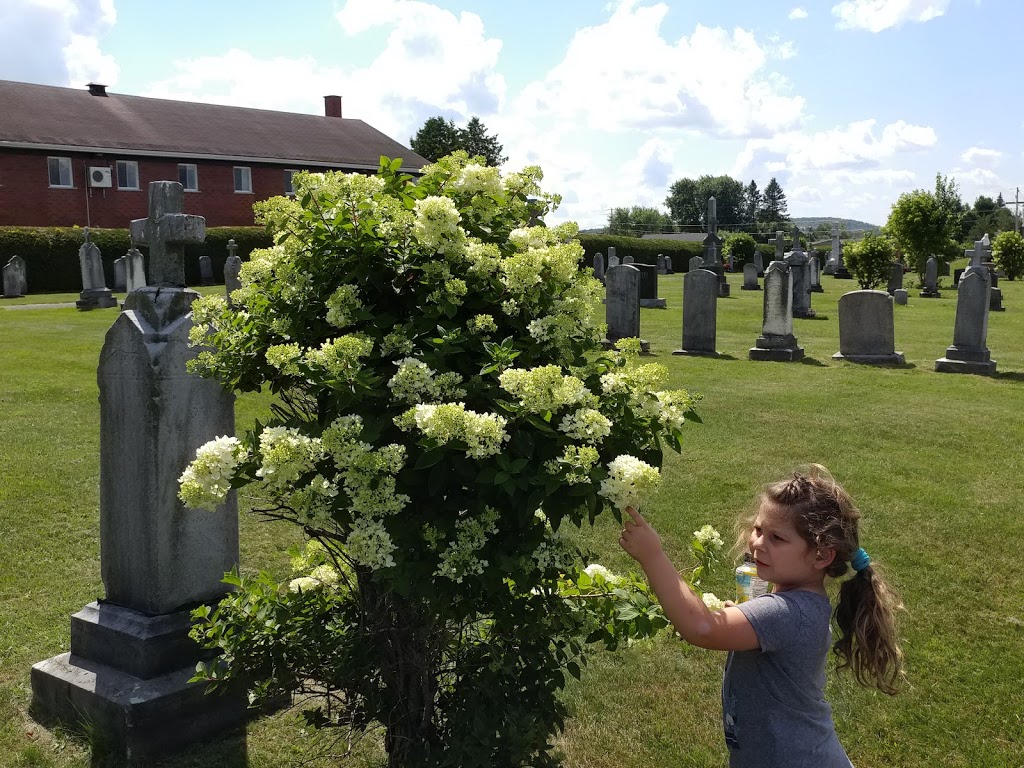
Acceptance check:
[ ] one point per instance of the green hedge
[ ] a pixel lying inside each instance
(646, 250)
(51, 253)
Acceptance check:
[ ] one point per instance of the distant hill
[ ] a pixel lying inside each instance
(852, 225)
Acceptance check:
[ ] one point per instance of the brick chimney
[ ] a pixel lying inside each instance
(96, 89)
(332, 106)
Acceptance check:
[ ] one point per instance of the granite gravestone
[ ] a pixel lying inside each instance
(750, 277)
(800, 271)
(628, 259)
(622, 305)
(815, 270)
(120, 274)
(662, 266)
(15, 280)
(758, 262)
(712, 259)
(135, 270)
(598, 267)
(777, 341)
(867, 329)
(613, 259)
(95, 294)
(233, 270)
(700, 307)
(649, 287)
(895, 278)
(931, 279)
(668, 265)
(695, 263)
(969, 353)
(205, 270)
(900, 296)
(126, 678)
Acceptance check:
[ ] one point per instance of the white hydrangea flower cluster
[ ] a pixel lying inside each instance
(285, 358)
(321, 576)
(313, 503)
(415, 382)
(483, 433)
(453, 291)
(554, 552)
(482, 325)
(285, 455)
(628, 480)
(342, 306)
(437, 225)
(261, 265)
(484, 258)
(712, 601)
(370, 544)
(577, 461)
(460, 558)
(339, 357)
(598, 572)
(367, 474)
(544, 388)
(396, 343)
(640, 379)
(709, 537)
(587, 424)
(206, 481)
(672, 407)
(525, 238)
(477, 179)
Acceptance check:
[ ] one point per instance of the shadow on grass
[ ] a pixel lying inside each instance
(1009, 375)
(812, 361)
(816, 317)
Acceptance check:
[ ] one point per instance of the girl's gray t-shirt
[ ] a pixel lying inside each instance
(773, 698)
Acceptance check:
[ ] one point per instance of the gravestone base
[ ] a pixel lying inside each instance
(894, 359)
(127, 678)
(776, 348)
(696, 352)
(829, 268)
(966, 360)
(843, 274)
(95, 298)
(930, 294)
(645, 346)
(806, 314)
(995, 300)
(723, 290)
(746, 287)
(817, 289)
(653, 303)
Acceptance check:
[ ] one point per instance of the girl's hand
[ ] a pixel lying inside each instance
(638, 538)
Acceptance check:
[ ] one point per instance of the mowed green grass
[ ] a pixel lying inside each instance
(933, 460)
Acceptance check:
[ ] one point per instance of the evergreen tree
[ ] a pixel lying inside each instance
(774, 212)
(476, 141)
(751, 202)
(439, 137)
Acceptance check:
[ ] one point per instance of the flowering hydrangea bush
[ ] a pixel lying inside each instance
(435, 362)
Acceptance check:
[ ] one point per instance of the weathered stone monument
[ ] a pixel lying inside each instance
(815, 271)
(931, 279)
(598, 265)
(777, 341)
(969, 353)
(867, 329)
(700, 309)
(662, 266)
(126, 678)
(995, 293)
(668, 265)
(695, 263)
(613, 259)
(750, 278)
(135, 270)
(800, 271)
(649, 298)
(895, 278)
(15, 279)
(622, 305)
(713, 249)
(900, 296)
(840, 272)
(759, 262)
(233, 269)
(205, 270)
(628, 259)
(95, 294)
(120, 275)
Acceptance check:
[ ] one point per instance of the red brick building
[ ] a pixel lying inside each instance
(86, 157)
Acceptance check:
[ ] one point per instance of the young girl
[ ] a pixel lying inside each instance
(773, 706)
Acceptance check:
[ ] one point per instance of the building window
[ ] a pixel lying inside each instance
(127, 174)
(188, 175)
(243, 179)
(60, 171)
(289, 187)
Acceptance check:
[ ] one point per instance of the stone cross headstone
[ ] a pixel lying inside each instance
(649, 298)
(662, 266)
(931, 279)
(969, 353)
(598, 267)
(167, 231)
(713, 249)
(779, 241)
(866, 329)
(833, 258)
(750, 278)
(131, 658)
(135, 270)
(205, 269)
(895, 278)
(95, 293)
(815, 271)
(840, 272)
(15, 280)
(777, 341)
(800, 272)
(233, 269)
(700, 307)
(622, 302)
(120, 275)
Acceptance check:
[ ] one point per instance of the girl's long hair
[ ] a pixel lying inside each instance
(825, 517)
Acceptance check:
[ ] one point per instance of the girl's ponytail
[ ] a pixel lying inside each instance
(866, 618)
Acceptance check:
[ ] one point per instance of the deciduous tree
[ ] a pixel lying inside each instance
(439, 137)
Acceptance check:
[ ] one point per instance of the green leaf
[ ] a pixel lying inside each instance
(429, 458)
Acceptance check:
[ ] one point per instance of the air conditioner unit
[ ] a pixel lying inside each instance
(100, 176)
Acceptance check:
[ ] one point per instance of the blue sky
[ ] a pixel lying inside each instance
(848, 103)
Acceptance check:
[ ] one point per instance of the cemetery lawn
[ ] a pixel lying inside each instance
(933, 461)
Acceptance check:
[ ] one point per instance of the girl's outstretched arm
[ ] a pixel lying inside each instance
(724, 630)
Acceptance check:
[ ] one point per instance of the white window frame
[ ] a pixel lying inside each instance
(245, 177)
(289, 184)
(62, 164)
(128, 165)
(191, 174)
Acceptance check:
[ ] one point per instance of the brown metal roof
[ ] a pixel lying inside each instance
(51, 117)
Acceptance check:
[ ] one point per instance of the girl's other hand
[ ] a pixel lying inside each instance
(640, 541)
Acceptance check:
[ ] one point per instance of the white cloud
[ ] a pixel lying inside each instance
(714, 82)
(981, 156)
(878, 15)
(797, 13)
(56, 41)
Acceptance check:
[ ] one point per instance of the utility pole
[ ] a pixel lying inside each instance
(1016, 210)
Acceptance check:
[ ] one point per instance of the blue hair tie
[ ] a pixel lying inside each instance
(860, 560)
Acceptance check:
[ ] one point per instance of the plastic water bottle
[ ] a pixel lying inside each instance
(748, 585)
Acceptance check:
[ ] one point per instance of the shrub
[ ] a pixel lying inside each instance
(643, 250)
(1008, 252)
(742, 247)
(870, 260)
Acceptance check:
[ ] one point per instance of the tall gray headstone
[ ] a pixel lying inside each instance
(598, 267)
(867, 329)
(800, 271)
(622, 302)
(131, 657)
(15, 279)
(120, 275)
(895, 277)
(135, 270)
(777, 341)
(750, 278)
(969, 353)
(95, 294)
(205, 270)
(700, 307)
(833, 258)
(815, 271)
(668, 265)
(931, 279)
(712, 259)
(233, 269)
(759, 262)
(613, 259)
(649, 298)
(662, 266)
